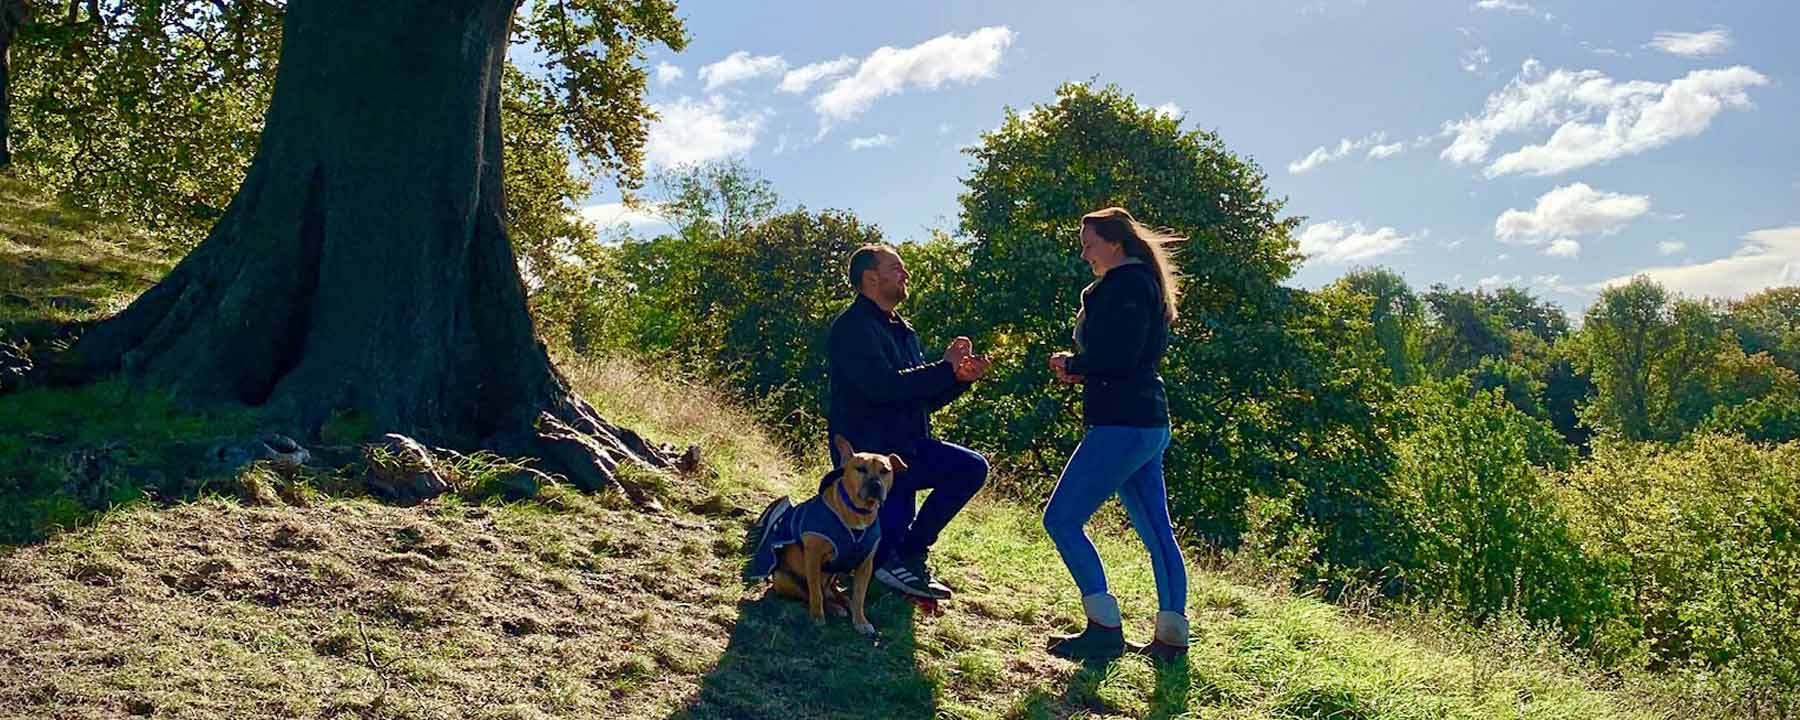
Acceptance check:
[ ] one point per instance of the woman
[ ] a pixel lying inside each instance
(1120, 336)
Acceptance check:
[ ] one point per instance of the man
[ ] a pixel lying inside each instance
(882, 395)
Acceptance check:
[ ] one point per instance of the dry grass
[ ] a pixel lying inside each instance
(213, 609)
(744, 458)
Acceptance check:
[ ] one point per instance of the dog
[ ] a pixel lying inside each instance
(804, 548)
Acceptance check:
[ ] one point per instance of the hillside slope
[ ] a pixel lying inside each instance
(317, 602)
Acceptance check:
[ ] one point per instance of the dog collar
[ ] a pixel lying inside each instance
(844, 495)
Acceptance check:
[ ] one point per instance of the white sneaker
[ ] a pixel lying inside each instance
(901, 578)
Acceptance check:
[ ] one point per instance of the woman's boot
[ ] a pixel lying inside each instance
(1170, 641)
(1102, 639)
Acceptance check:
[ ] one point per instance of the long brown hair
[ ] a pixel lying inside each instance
(1115, 225)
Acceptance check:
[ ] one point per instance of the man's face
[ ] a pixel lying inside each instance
(887, 281)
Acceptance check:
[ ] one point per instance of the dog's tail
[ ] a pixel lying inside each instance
(757, 540)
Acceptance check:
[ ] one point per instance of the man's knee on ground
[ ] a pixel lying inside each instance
(975, 471)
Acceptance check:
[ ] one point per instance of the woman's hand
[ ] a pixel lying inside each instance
(972, 368)
(1059, 364)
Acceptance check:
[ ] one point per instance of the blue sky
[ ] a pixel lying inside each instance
(1556, 146)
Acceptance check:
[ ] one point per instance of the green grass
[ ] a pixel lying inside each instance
(59, 263)
(69, 453)
(300, 600)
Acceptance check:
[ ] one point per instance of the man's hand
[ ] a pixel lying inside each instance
(960, 349)
(972, 368)
(1059, 364)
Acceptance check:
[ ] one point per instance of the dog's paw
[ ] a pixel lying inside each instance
(865, 629)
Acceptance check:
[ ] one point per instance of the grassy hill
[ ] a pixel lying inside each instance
(258, 596)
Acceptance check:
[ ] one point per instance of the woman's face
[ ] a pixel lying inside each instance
(1099, 254)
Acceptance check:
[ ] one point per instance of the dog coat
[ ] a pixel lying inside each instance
(813, 517)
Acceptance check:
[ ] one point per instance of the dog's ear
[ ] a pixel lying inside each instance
(843, 448)
(898, 464)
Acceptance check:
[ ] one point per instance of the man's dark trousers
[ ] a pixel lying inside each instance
(951, 472)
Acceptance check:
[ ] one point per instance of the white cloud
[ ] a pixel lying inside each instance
(1563, 247)
(666, 73)
(1386, 151)
(1510, 6)
(690, 131)
(1670, 247)
(1534, 98)
(943, 128)
(872, 141)
(1567, 212)
(1685, 109)
(797, 80)
(1496, 280)
(1554, 283)
(1336, 242)
(1474, 60)
(1692, 44)
(1321, 154)
(1505, 5)
(1597, 119)
(889, 71)
(1768, 258)
(613, 214)
(740, 66)
(1170, 109)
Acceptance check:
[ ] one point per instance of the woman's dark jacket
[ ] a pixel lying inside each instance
(1120, 337)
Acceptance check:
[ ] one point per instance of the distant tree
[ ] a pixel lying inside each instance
(1651, 357)
(720, 199)
(1465, 329)
(1769, 322)
(1398, 316)
(662, 290)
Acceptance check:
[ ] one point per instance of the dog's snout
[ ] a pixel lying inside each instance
(873, 491)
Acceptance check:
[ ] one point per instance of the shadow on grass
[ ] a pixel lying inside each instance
(779, 664)
(1169, 699)
(68, 455)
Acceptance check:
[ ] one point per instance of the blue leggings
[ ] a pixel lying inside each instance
(1127, 461)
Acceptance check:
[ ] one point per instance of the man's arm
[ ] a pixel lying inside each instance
(938, 401)
(855, 355)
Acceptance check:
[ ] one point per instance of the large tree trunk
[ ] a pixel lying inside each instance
(12, 14)
(364, 264)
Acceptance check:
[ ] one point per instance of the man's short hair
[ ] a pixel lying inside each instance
(865, 258)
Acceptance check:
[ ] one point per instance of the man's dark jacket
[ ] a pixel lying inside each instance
(882, 390)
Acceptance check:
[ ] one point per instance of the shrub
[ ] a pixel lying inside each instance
(1486, 533)
(1702, 541)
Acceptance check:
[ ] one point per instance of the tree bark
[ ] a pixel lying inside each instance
(13, 13)
(364, 265)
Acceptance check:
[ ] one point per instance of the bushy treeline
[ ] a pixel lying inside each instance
(1623, 482)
